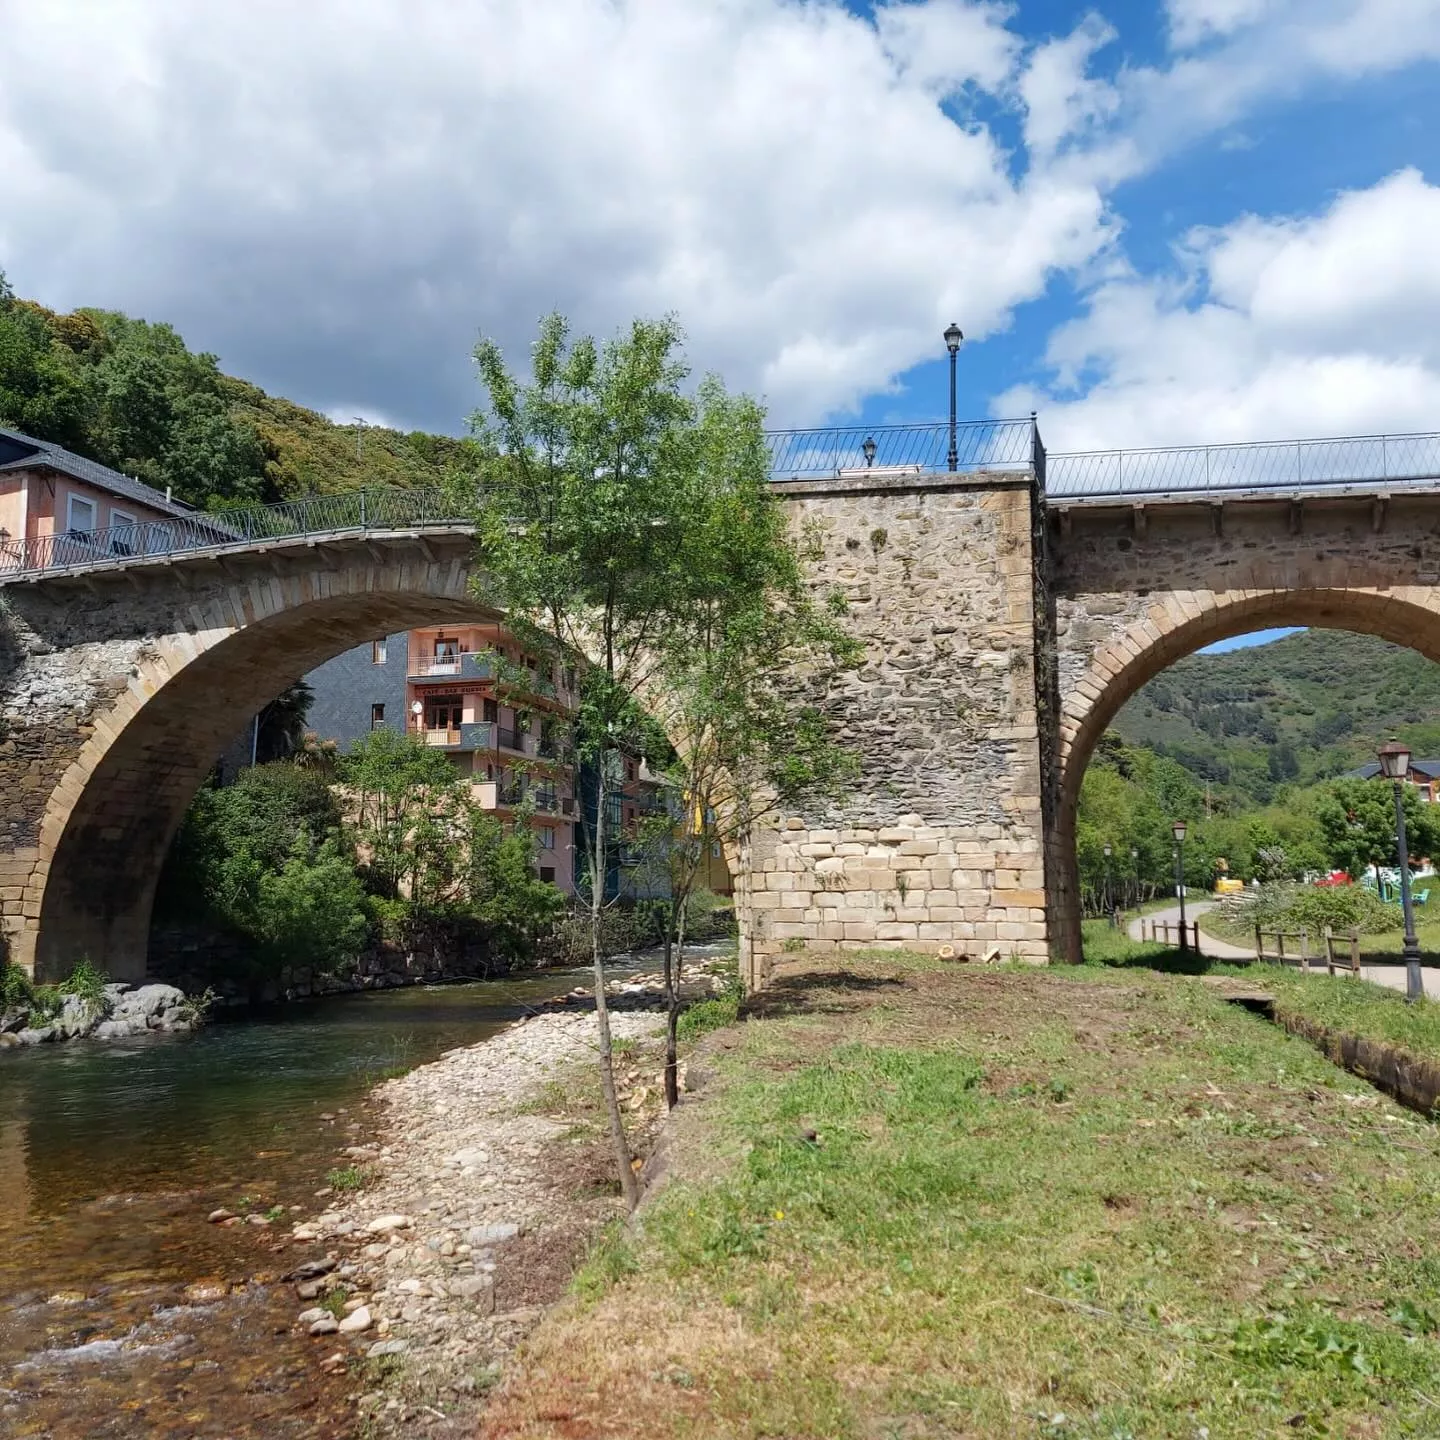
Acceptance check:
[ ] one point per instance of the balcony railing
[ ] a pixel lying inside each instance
(472, 735)
(466, 666)
(517, 740)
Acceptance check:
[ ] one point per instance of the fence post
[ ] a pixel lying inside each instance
(1259, 942)
(1329, 950)
(1304, 948)
(1355, 950)
(1280, 946)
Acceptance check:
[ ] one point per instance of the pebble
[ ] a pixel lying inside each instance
(216, 1216)
(327, 1325)
(308, 1289)
(356, 1321)
(309, 1317)
(387, 1347)
(385, 1224)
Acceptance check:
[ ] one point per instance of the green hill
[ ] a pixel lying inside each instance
(1298, 710)
(132, 395)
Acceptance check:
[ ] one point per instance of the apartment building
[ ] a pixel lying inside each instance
(498, 713)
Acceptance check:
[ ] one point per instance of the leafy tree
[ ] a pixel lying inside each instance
(1357, 818)
(312, 911)
(591, 523)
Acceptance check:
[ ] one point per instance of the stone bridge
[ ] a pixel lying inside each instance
(1007, 611)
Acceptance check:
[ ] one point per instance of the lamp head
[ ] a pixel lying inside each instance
(1178, 831)
(868, 449)
(1108, 849)
(1394, 760)
(953, 337)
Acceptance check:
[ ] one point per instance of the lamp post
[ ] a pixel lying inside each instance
(1178, 830)
(868, 450)
(953, 337)
(1135, 875)
(1395, 766)
(1109, 894)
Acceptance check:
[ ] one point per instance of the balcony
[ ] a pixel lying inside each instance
(474, 736)
(467, 666)
(499, 794)
(520, 741)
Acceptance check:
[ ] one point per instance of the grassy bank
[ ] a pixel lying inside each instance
(917, 1201)
(1381, 949)
(1338, 1002)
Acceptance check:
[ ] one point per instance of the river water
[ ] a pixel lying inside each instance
(122, 1312)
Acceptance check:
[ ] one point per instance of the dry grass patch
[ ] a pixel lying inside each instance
(1017, 1203)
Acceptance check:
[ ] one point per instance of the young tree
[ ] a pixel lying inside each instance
(587, 525)
(1357, 818)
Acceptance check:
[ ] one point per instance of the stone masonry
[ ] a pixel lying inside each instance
(938, 846)
(1001, 633)
(1135, 588)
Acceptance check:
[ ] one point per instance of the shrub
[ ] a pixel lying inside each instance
(16, 991)
(1294, 907)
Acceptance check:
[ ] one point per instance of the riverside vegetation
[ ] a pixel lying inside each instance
(919, 1199)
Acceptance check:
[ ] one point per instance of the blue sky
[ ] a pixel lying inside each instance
(1162, 223)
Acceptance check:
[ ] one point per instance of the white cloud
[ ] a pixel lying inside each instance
(1273, 328)
(1194, 21)
(338, 196)
(1062, 101)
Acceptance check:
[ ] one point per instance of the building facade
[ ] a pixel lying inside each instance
(499, 714)
(58, 508)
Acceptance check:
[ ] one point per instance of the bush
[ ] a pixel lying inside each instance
(313, 911)
(16, 991)
(1293, 907)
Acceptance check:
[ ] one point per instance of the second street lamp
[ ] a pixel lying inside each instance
(953, 337)
(1109, 893)
(1178, 830)
(1135, 877)
(1395, 767)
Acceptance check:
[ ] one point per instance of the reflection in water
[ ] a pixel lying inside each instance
(111, 1155)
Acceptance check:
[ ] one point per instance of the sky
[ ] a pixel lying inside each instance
(1160, 223)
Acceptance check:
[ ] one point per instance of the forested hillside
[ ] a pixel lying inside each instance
(1298, 710)
(132, 395)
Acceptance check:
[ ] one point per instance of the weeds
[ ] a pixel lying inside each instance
(350, 1177)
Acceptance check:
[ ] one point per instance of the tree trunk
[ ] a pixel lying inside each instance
(673, 968)
(629, 1186)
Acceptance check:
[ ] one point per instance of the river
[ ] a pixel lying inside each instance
(122, 1312)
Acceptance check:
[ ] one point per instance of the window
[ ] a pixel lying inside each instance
(122, 532)
(79, 515)
(547, 874)
(377, 717)
(447, 649)
(443, 712)
(547, 838)
(492, 711)
(629, 769)
(377, 652)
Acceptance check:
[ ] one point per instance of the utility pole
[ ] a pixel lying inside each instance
(361, 426)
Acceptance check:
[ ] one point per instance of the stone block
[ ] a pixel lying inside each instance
(896, 930)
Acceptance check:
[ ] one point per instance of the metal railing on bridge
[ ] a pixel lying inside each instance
(354, 510)
(858, 450)
(836, 452)
(1291, 466)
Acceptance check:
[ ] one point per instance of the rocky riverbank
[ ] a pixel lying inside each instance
(486, 1176)
(116, 1012)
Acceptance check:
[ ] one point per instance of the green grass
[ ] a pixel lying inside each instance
(1090, 1203)
(1336, 1001)
(349, 1177)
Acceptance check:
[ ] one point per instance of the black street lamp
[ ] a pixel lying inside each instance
(953, 337)
(868, 450)
(1178, 830)
(1135, 875)
(1109, 893)
(1395, 766)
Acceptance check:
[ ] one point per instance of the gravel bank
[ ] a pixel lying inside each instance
(475, 1208)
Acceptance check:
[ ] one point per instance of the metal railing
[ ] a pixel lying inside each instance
(1286, 466)
(832, 452)
(355, 510)
(857, 450)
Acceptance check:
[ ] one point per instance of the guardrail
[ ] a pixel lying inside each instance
(835, 452)
(1288, 466)
(858, 450)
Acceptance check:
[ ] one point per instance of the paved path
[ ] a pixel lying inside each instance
(1390, 976)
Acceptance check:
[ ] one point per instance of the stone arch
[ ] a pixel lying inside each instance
(110, 819)
(1177, 625)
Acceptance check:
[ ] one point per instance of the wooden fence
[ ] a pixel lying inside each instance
(1338, 953)
(1168, 932)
